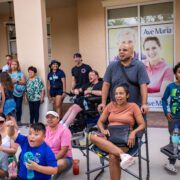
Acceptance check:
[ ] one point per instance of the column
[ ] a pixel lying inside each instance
(31, 36)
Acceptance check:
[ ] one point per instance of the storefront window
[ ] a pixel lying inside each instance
(157, 12)
(126, 16)
(11, 34)
(150, 29)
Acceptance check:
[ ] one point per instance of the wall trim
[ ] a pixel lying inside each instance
(111, 3)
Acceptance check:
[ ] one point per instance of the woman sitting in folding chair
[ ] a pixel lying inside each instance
(120, 135)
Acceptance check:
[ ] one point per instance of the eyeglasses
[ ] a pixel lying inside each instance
(124, 50)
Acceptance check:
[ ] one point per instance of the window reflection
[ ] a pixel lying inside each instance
(156, 12)
(122, 16)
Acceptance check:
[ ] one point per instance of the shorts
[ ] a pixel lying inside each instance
(55, 92)
(70, 162)
(69, 166)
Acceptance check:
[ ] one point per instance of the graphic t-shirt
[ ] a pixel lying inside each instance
(172, 91)
(81, 74)
(55, 79)
(18, 88)
(43, 155)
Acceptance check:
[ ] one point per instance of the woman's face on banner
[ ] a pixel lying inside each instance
(152, 50)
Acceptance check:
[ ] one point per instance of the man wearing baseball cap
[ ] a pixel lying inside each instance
(58, 137)
(79, 72)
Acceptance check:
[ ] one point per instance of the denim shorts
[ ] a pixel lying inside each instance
(70, 162)
(55, 92)
(69, 166)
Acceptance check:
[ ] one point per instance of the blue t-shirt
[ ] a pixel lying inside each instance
(18, 88)
(55, 79)
(172, 91)
(43, 155)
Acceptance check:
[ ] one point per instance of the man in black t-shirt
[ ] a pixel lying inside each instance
(91, 89)
(79, 72)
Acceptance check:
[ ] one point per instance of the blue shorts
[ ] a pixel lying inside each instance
(55, 92)
(69, 162)
(69, 166)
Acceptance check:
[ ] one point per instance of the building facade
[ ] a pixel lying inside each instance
(55, 29)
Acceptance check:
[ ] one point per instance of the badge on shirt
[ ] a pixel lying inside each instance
(83, 70)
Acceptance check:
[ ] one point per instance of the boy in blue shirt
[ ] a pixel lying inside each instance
(173, 117)
(44, 164)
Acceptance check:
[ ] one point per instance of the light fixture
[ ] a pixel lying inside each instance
(10, 11)
(10, 23)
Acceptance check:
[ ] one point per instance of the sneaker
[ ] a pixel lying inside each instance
(171, 168)
(126, 161)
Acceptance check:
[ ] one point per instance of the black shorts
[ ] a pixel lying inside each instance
(55, 92)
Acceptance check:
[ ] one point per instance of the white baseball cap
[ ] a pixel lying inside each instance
(52, 113)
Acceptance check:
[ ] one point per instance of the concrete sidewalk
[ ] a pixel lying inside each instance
(158, 137)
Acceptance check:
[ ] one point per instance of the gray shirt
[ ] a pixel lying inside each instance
(135, 71)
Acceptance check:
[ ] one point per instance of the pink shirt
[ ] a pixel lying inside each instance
(157, 74)
(59, 138)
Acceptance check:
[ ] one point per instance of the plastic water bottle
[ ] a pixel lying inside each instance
(29, 156)
(12, 167)
(175, 139)
(85, 105)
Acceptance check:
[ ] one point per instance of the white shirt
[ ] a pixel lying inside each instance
(5, 68)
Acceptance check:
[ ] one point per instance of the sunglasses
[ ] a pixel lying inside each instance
(1, 122)
(124, 50)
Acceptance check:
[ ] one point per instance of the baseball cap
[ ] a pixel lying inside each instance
(52, 113)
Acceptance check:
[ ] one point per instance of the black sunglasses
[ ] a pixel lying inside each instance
(123, 50)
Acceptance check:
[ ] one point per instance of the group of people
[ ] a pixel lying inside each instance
(125, 81)
(14, 86)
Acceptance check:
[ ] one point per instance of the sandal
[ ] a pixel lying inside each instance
(126, 161)
(171, 168)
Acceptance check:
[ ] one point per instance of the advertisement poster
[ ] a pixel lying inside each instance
(157, 45)
(120, 35)
(157, 54)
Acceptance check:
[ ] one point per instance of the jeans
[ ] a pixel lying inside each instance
(34, 111)
(18, 101)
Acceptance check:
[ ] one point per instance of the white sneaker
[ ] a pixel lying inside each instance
(171, 168)
(126, 161)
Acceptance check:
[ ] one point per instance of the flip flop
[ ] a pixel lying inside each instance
(171, 168)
